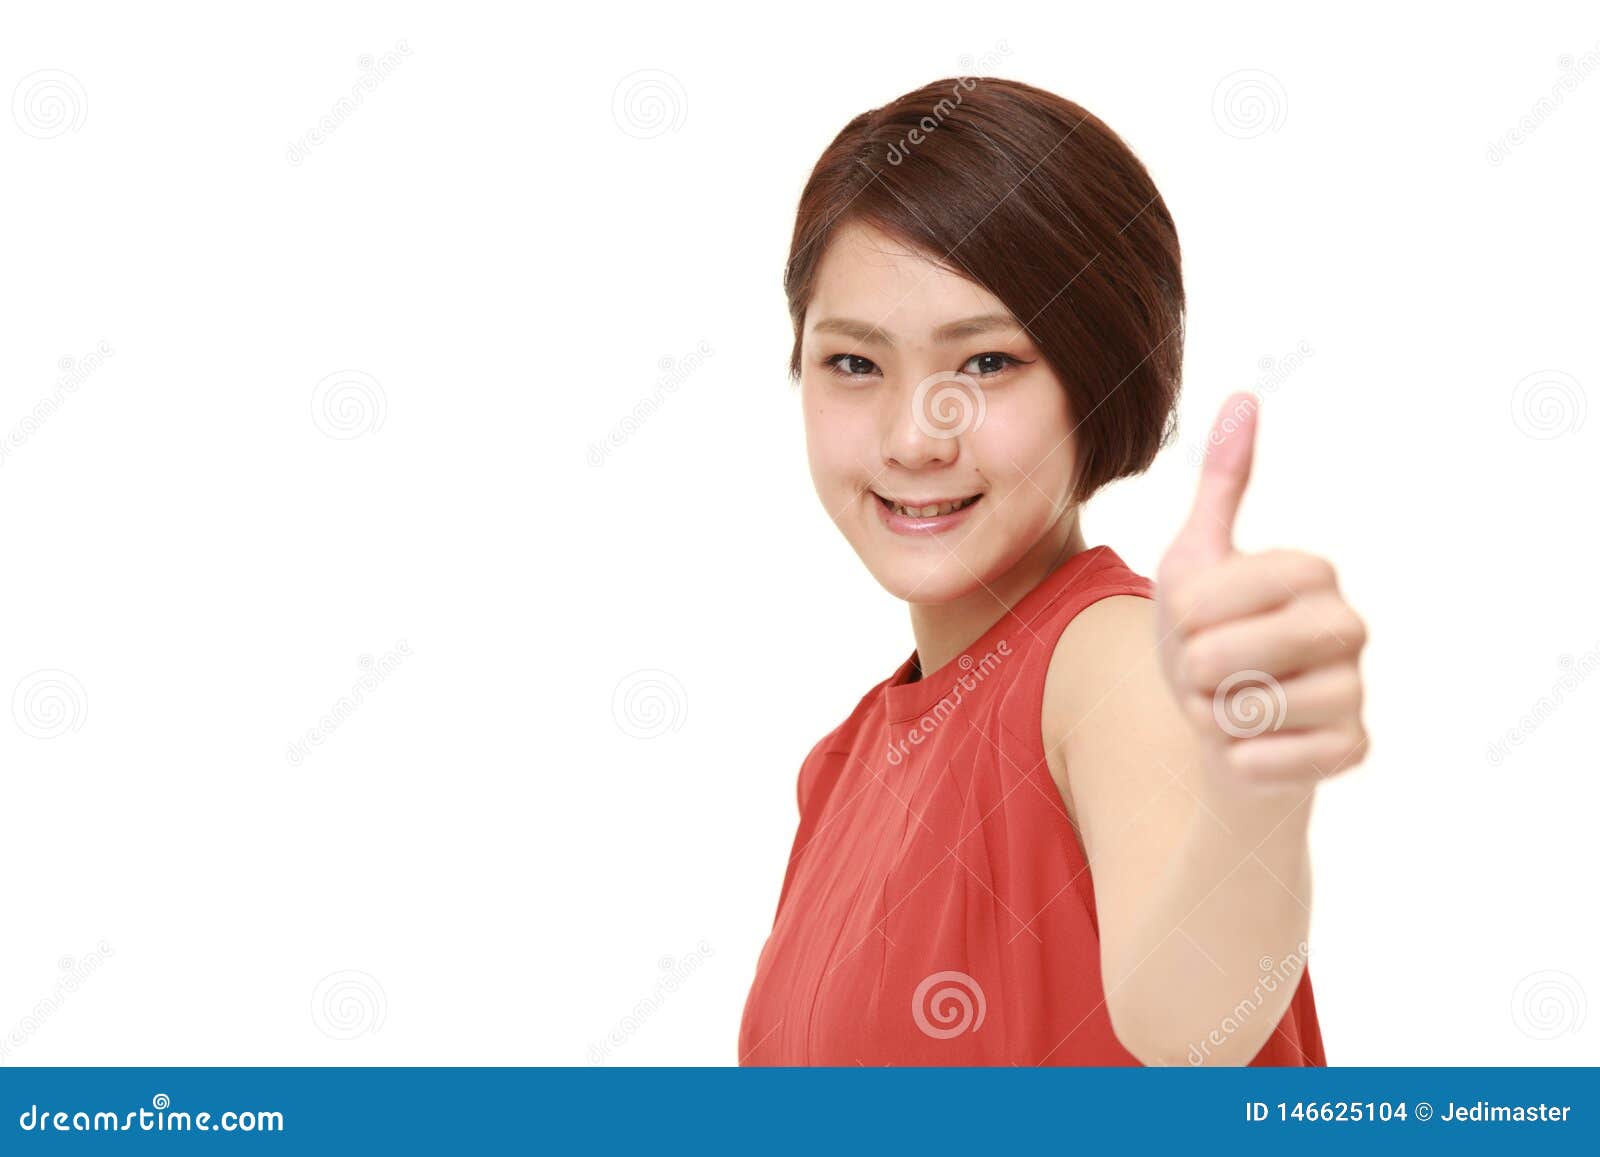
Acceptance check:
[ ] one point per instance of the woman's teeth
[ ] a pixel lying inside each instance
(931, 511)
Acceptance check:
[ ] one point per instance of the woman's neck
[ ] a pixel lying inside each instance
(943, 630)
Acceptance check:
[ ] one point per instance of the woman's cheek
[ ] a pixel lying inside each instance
(834, 467)
(1024, 450)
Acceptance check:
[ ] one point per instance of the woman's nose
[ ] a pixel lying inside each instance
(926, 418)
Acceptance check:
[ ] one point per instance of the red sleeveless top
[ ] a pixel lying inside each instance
(937, 909)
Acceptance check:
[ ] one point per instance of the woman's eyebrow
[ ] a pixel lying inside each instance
(950, 331)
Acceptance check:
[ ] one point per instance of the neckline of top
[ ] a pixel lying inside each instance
(907, 700)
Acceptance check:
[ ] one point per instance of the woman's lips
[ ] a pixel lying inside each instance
(919, 524)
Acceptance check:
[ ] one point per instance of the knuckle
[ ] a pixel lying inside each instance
(1239, 761)
(1358, 629)
(1341, 752)
(1361, 744)
(1348, 627)
(1313, 572)
(1352, 691)
(1324, 618)
(1297, 569)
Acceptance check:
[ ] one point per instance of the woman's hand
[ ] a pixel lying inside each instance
(1260, 650)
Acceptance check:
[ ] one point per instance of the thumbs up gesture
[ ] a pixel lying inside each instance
(1260, 650)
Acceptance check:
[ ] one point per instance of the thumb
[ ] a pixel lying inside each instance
(1208, 535)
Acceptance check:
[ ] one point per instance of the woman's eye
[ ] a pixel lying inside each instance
(983, 365)
(990, 363)
(850, 365)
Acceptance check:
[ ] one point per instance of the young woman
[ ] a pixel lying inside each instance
(1070, 828)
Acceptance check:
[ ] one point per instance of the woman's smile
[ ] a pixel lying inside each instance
(924, 516)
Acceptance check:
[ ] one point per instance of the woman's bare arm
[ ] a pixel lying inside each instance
(1193, 891)
(1196, 732)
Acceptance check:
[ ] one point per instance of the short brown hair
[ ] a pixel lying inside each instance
(1038, 201)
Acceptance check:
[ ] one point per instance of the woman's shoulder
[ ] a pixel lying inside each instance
(1104, 663)
(1115, 736)
(1102, 625)
(1100, 668)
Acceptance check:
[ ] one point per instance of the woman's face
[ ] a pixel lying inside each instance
(903, 403)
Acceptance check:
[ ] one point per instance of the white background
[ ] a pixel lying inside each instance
(486, 863)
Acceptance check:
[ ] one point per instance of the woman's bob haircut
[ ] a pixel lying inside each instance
(1039, 202)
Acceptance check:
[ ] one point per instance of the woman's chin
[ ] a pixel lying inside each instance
(928, 579)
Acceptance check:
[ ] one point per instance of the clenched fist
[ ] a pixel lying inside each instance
(1260, 650)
